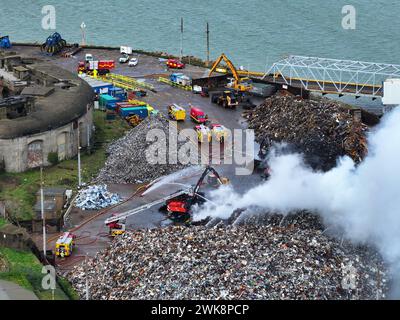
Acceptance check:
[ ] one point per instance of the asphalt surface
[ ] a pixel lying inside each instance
(92, 235)
(12, 291)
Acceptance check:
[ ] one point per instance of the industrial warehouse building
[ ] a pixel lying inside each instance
(43, 109)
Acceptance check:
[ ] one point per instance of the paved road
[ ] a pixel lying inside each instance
(12, 291)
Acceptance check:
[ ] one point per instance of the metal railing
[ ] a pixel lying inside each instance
(333, 76)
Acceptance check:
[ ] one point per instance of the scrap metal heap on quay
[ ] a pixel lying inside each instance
(322, 130)
(264, 259)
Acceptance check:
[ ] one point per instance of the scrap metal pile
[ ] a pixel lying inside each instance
(96, 197)
(322, 130)
(127, 162)
(290, 260)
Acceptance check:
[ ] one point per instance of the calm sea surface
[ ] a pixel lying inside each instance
(253, 33)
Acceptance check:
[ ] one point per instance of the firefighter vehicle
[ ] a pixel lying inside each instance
(198, 116)
(219, 132)
(118, 227)
(65, 245)
(176, 112)
(203, 133)
(100, 67)
(175, 64)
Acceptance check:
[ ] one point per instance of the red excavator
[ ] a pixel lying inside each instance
(179, 208)
(178, 205)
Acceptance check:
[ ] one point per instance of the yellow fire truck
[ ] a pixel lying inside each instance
(65, 245)
(176, 112)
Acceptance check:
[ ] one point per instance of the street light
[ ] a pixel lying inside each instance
(83, 27)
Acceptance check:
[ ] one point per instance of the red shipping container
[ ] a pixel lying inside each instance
(119, 105)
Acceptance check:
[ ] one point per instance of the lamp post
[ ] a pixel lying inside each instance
(181, 39)
(42, 211)
(83, 27)
(79, 157)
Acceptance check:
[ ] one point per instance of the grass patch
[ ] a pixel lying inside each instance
(25, 270)
(3, 222)
(18, 190)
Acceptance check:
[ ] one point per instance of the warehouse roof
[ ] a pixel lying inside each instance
(66, 104)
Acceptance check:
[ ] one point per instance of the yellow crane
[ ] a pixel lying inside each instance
(238, 84)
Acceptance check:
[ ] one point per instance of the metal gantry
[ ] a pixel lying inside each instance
(333, 76)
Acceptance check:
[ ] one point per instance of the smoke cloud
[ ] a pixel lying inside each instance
(363, 201)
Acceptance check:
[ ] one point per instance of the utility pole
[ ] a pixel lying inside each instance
(208, 44)
(181, 38)
(42, 211)
(88, 129)
(86, 276)
(79, 157)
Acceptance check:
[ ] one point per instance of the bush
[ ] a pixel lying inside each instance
(53, 158)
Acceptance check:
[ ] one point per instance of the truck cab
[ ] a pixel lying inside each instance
(88, 57)
(180, 78)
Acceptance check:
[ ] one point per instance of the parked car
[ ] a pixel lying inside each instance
(88, 57)
(133, 62)
(124, 59)
(175, 64)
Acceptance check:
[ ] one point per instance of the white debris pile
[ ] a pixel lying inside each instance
(96, 197)
(290, 260)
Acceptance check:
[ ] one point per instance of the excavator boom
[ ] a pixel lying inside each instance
(230, 65)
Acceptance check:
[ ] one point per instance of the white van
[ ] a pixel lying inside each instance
(126, 50)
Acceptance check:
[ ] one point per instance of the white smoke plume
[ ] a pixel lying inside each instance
(363, 201)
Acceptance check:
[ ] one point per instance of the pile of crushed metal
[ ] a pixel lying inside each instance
(322, 130)
(127, 161)
(279, 259)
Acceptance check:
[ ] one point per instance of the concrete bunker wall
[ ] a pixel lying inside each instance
(31, 151)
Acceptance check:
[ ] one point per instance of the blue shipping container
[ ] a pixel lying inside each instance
(142, 112)
(102, 88)
(117, 93)
(111, 106)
